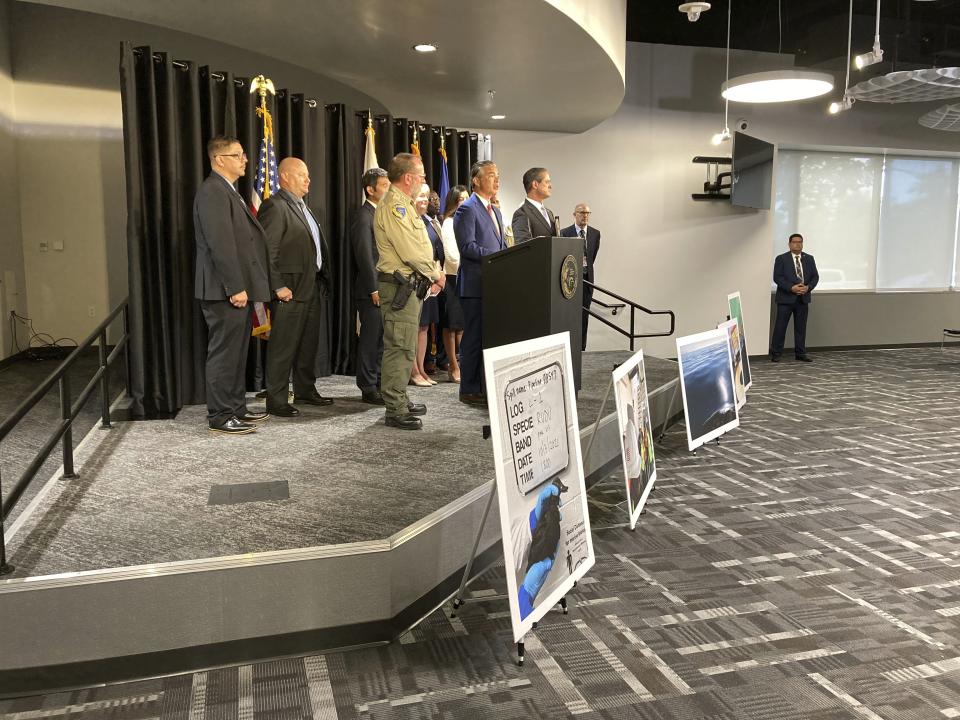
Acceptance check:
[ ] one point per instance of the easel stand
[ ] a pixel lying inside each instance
(666, 420)
(462, 596)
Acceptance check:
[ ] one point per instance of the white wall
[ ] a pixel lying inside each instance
(12, 294)
(659, 247)
(66, 161)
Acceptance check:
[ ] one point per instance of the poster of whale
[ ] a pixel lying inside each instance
(709, 392)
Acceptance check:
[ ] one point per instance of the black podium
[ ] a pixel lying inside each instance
(534, 289)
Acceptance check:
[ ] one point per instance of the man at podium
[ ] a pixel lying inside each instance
(478, 227)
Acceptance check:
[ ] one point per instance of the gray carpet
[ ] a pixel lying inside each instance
(807, 568)
(142, 495)
(17, 380)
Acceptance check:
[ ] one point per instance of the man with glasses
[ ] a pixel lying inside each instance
(231, 275)
(795, 274)
(405, 256)
(590, 237)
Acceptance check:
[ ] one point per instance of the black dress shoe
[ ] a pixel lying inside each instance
(774, 358)
(416, 408)
(312, 400)
(253, 417)
(404, 422)
(234, 427)
(285, 411)
(372, 398)
(475, 399)
(804, 358)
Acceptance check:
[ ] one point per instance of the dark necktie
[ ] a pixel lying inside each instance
(583, 236)
(796, 263)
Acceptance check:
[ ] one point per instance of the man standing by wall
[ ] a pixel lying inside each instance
(590, 237)
(795, 274)
(533, 219)
(370, 343)
(300, 270)
(405, 255)
(478, 226)
(231, 275)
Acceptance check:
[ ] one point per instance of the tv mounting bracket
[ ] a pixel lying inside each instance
(714, 186)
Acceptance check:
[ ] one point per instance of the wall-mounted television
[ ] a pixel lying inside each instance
(752, 171)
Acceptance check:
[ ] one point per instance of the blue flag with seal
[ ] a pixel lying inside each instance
(443, 188)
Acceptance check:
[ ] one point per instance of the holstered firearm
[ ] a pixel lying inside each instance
(404, 288)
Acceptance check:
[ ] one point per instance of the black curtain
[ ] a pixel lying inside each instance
(170, 109)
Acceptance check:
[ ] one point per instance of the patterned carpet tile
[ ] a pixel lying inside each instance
(806, 568)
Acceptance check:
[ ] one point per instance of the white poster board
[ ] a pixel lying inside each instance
(736, 360)
(735, 311)
(706, 378)
(636, 433)
(542, 497)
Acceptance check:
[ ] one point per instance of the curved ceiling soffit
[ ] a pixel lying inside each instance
(547, 70)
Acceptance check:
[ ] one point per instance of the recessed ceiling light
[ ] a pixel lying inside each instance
(425, 47)
(498, 117)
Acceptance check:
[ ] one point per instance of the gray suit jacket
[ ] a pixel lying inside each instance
(231, 245)
(528, 223)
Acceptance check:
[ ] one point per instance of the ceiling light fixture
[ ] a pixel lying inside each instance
(725, 133)
(425, 47)
(846, 102)
(778, 86)
(876, 54)
(842, 105)
(693, 9)
(498, 117)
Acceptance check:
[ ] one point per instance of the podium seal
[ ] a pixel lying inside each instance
(568, 277)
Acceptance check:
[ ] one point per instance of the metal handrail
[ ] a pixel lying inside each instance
(68, 412)
(633, 311)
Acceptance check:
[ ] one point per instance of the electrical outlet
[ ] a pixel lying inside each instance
(91, 311)
(43, 246)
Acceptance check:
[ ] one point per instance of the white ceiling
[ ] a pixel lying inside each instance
(548, 71)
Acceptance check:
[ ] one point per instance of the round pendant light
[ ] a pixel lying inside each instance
(777, 86)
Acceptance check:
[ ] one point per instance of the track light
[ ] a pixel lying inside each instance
(876, 54)
(721, 137)
(869, 58)
(844, 104)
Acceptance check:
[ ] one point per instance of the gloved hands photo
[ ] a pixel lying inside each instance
(537, 573)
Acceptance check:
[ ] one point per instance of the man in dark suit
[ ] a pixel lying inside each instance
(590, 236)
(231, 275)
(795, 274)
(478, 227)
(370, 342)
(533, 219)
(300, 269)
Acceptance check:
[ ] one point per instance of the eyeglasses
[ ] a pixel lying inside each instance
(238, 156)
(582, 212)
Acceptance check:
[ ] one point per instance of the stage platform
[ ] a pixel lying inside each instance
(360, 531)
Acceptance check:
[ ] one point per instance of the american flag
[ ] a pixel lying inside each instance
(267, 182)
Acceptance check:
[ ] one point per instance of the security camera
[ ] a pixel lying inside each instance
(741, 124)
(693, 9)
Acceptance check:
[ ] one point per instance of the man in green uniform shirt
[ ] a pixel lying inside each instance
(405, 249)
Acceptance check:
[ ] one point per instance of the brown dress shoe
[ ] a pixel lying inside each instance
(475, 399)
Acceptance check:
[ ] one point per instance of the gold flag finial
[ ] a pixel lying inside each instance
(262, 85)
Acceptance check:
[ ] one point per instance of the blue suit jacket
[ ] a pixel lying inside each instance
(785, 276)
(476, 237)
